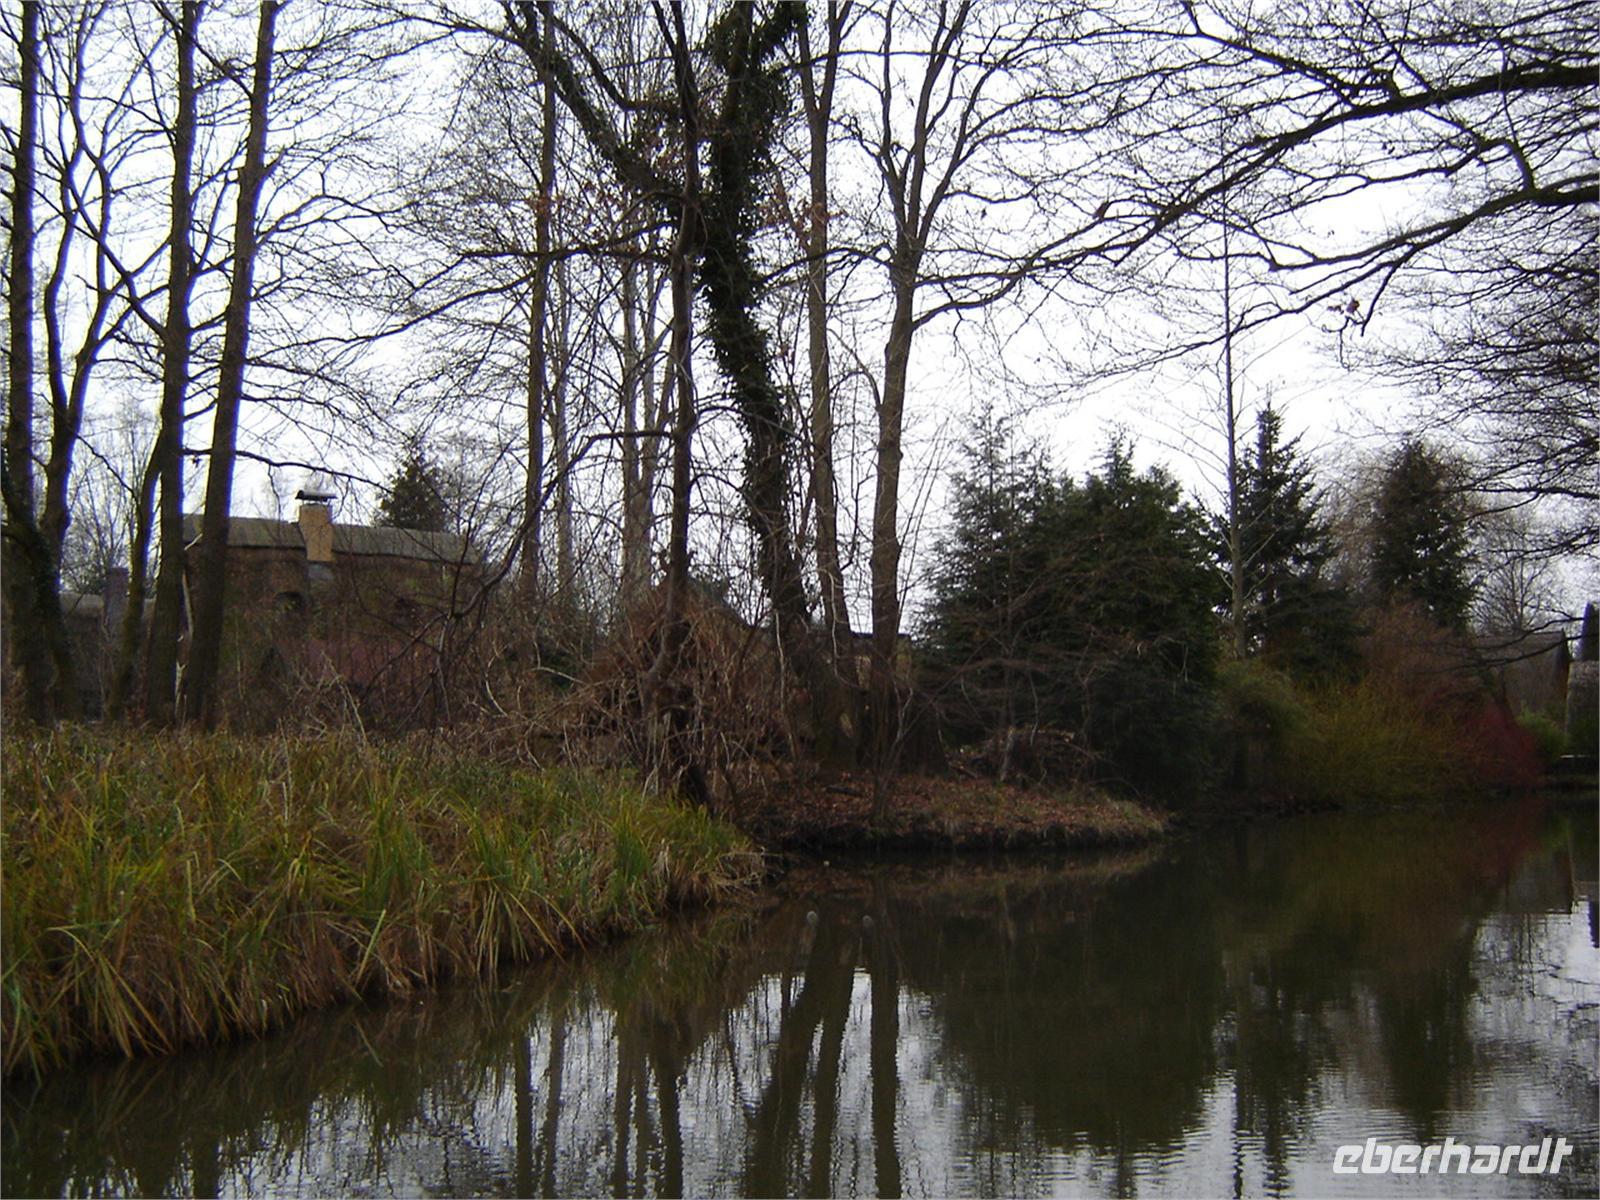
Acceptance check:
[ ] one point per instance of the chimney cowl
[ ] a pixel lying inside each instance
(317, 489)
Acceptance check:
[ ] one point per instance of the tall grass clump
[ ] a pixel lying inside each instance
(159, 891)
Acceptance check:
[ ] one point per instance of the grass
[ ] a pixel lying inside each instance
(165, 890)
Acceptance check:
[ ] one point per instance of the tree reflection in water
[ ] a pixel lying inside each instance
(1202, 1017)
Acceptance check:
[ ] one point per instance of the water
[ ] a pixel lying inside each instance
(1213, 1016)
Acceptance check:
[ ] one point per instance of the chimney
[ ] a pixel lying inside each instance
(316, 527)
(115, 598)
(316, 517)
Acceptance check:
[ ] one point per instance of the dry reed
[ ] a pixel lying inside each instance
(164, 890)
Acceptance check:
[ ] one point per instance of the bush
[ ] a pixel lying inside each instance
(1259, 708)
(1369, 743)
(1254, 696)
(1549, 739)
(1498, 751)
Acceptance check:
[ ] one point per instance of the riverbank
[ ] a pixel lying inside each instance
(926, 813)
(161, 890)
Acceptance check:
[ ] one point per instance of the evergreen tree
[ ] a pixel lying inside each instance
(1130, 565)
(415, 497)
(1136, 599)
(1294, 614)
(1086, 608)
(984, 634)
(1420, 549)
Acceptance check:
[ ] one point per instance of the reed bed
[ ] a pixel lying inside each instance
(172, 889)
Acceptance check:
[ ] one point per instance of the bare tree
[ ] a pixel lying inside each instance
(539, 322)
(1470, 130)
(668, 713)
(211, 561)
(161, 677)
(643, 418)
(90, 294)
(38, 636)
(972, 119)
(817, 94)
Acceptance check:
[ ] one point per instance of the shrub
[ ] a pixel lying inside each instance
(1549, 739)
(1367, 742)
(1499, 752)
(1252, 695)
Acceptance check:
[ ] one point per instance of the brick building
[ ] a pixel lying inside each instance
(316, 604)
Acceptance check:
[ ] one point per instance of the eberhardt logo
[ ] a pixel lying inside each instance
(1378, 1158)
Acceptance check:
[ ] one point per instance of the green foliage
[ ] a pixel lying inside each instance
(416, 494)
(1295, 615)
(1549, 739)
(991, 611)
(1081, 607)
(1420, 551)
(1254, 695)
(160, 891)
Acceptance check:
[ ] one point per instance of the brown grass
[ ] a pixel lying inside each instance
(167, 890)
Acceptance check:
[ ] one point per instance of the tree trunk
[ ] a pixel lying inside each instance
(885, 529)
(161, 667)
(22, 540)
(913, 209)
(532, 578)
(1230, 415)
(561, 447)
(126, 652)
(39, 643)
(839, 722)
(818, 108)
(211, 575)
(732, 288)
(638, 382)
(673, 761)
(538, 324)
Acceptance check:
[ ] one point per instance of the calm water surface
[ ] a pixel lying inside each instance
(1210, 1017)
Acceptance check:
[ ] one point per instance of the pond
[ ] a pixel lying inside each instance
(1215, 1015)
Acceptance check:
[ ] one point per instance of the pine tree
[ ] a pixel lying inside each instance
(1420, 547)
(415, 497)
(1294, 614)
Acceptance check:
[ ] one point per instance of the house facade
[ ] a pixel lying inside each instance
(315, 605)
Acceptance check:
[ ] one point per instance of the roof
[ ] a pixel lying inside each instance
(86, 604)
(375, 540)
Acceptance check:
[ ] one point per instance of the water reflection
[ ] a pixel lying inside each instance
(1213, 1017)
